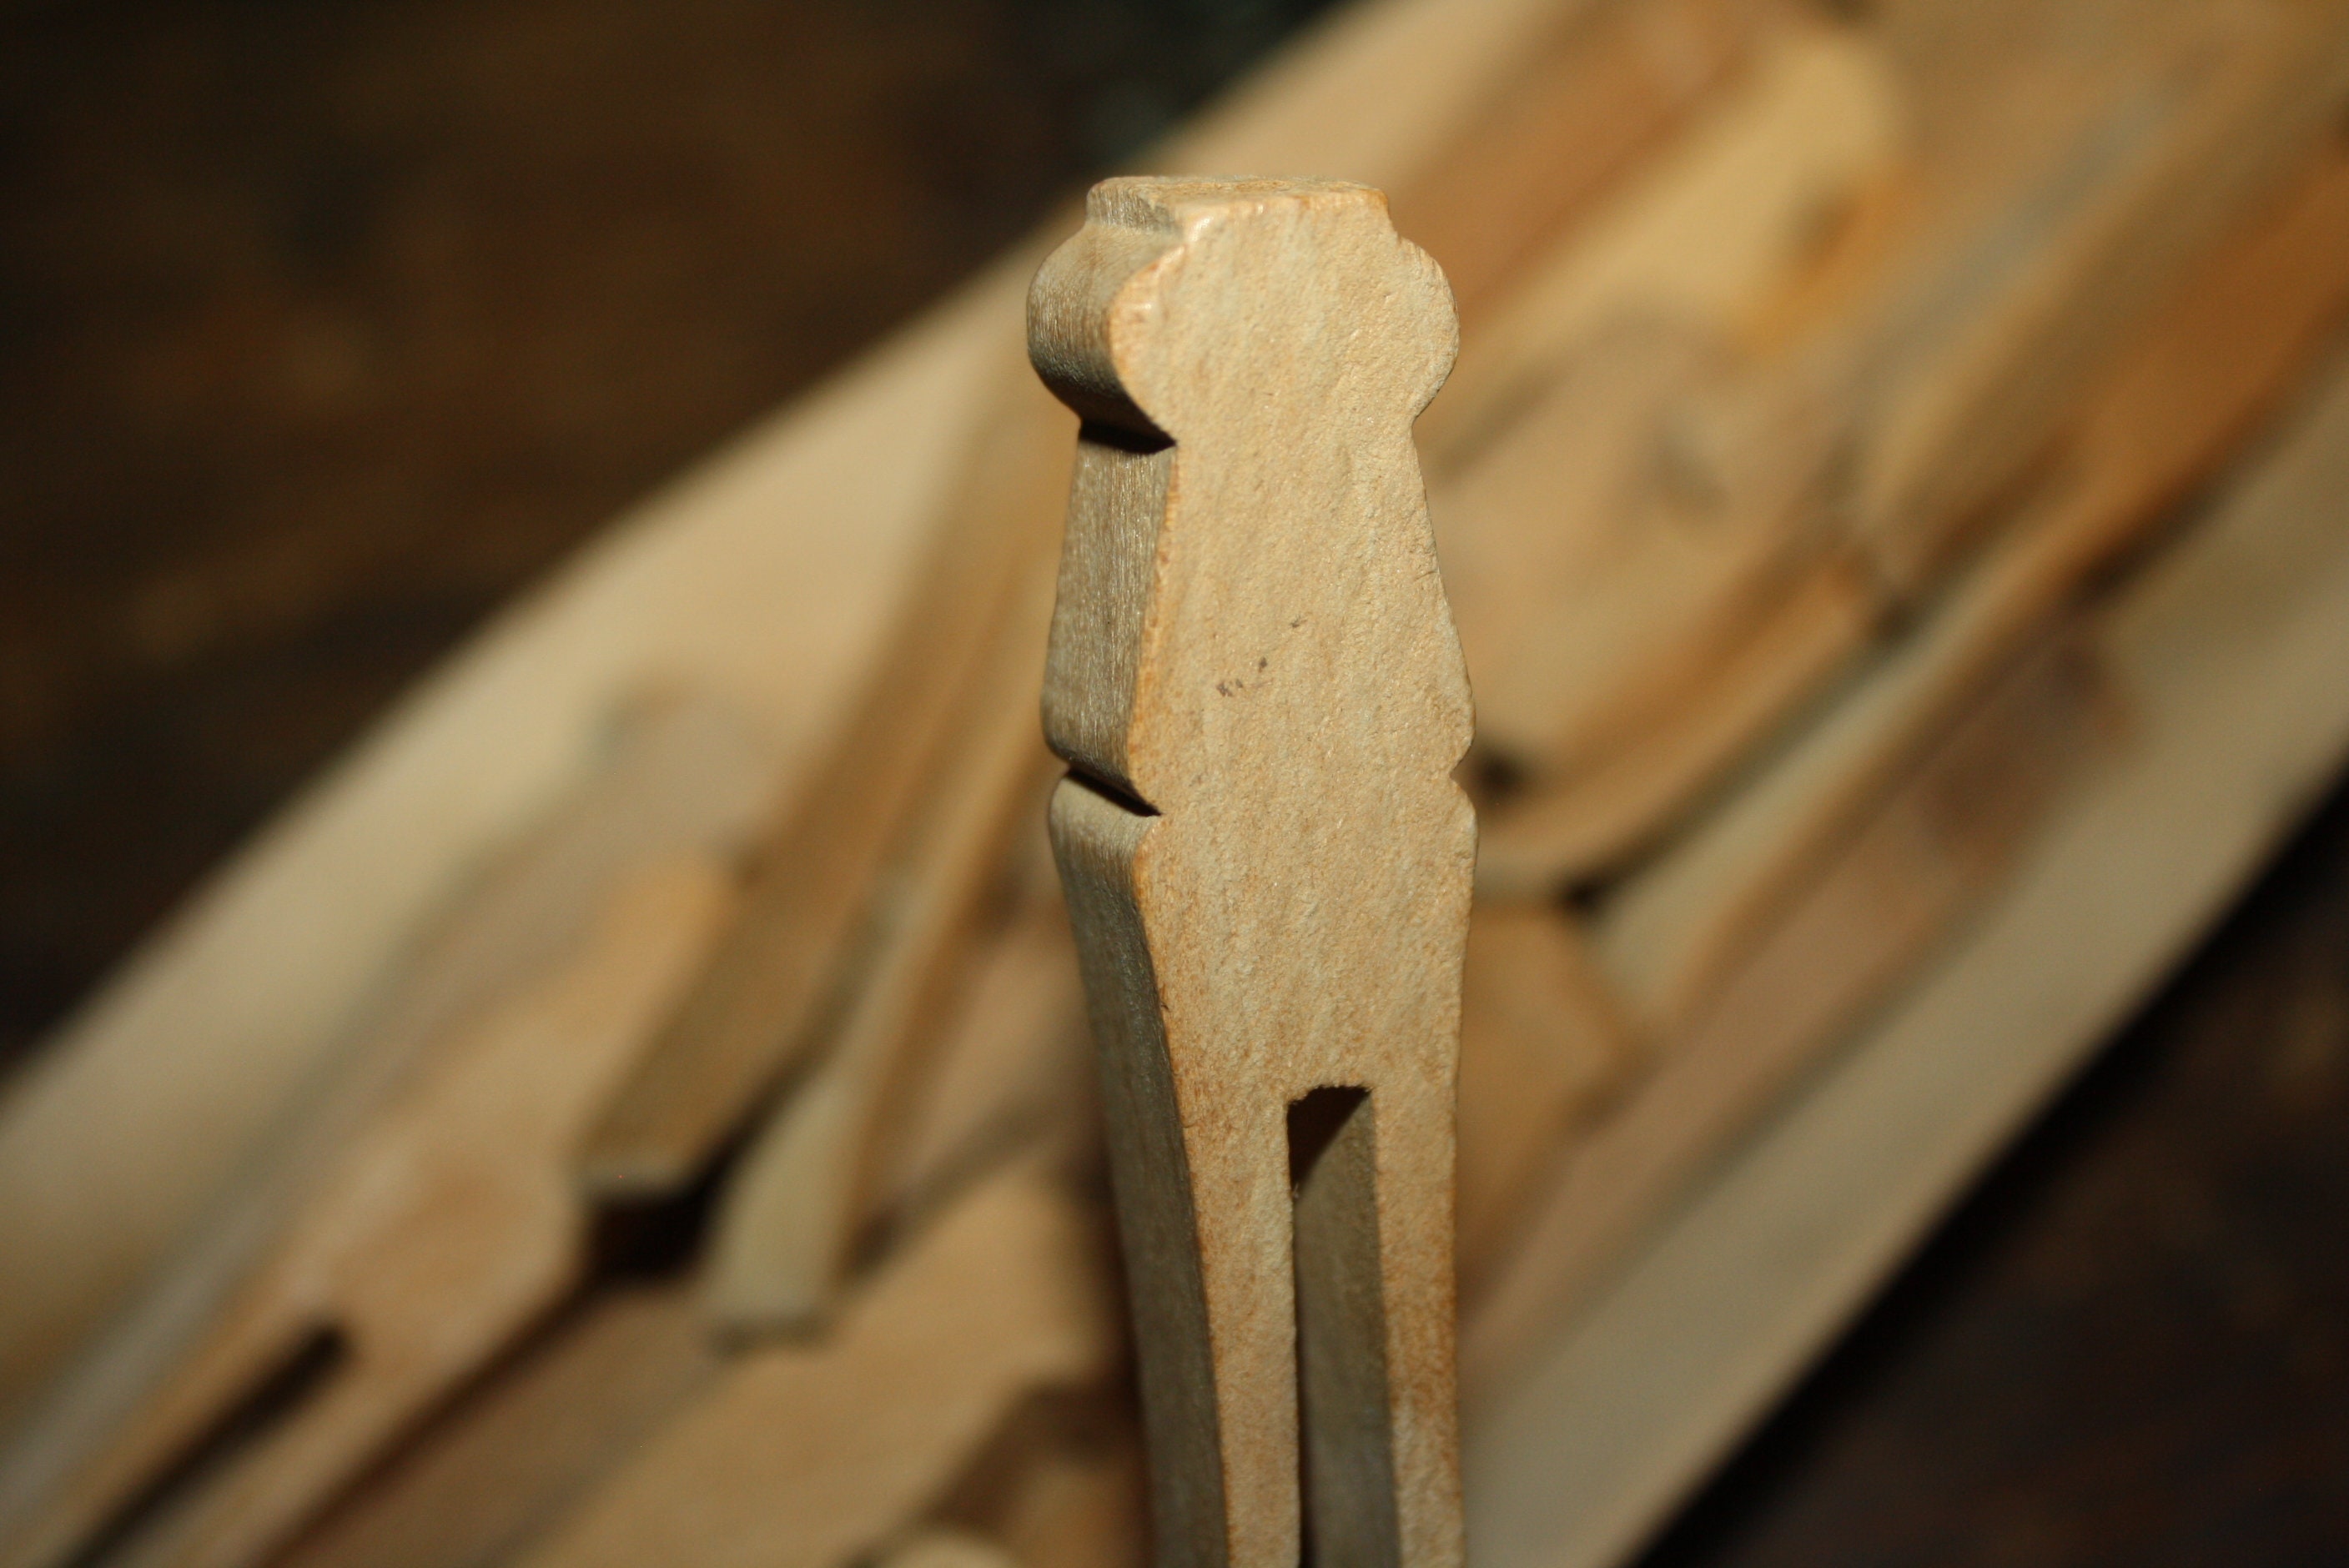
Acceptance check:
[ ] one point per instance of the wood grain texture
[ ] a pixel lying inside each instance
(682, 785)
(1255, 677)
(443, 1230)
(808, 1181)
(806, 940)
(1932, 852)
(2233, 103)
(771, 574)
(2239, 334)
(1545, 1049)
(758, 1013)
(1852, 442)
(1701, 231)
(677, 772)
(1581, 105)
(1828, 848)
(1603, 603)
(1016, 1061)
(2229, 652)
(810, 1456)
(518, 1451)
(162, 1089)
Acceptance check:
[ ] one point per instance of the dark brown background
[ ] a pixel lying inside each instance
(325, 327)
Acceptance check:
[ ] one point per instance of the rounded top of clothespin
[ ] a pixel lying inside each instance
(1249, 600)
(1187, 301)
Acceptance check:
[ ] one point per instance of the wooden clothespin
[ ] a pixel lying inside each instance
(1255, 679)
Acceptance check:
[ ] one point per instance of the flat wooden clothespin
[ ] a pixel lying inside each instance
(1253, 678)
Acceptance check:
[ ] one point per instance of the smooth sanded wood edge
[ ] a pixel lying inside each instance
(2236, 652)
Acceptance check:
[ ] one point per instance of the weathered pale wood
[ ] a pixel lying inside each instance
(1863, 448)
(751, 1021)
(1410, 35)
(1760, 666)
(937, 1547)
(769, 577)
(1941, 844)
(682, 777)
(1255, 678)
(1580, 109)
(2238, 336)
(1696, 714)
(806, 935)
(1432, 66)
(2028, 245)
(1700, 234)
(445, 1228)
(510, 1457)
(797, 948)
(2231, 653)
(696, 590)
(1015, 1059)
(1544, 1046)
(1063, 1489)
(794, 1208)
(764, 580)
(809, 1456)
(2237, 105)
(1734, 946)
(1603, 611)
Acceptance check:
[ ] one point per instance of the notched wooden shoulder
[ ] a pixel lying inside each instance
(1123, 315)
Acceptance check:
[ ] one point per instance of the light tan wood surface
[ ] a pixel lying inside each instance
(158, 1093)
(1702, 233)
(1255, 679)
(1581, 105)
(1923, 858)
(812, 1179)
(2235, 101)
(514, 1455)
(1544, 1047)
(807, 932)
(1608, 612)
(2241, 331)
(1688, 942)
(1794, 600)
(2230, 654)
(1017, 1059)
(682, 778)
(770, 576)
(808, 1457)
(1064, 1486)
(1604, 623)
(440, 1233)
(1847, 450)
(944, 1548)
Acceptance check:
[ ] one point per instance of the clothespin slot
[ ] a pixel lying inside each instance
(1255, 680)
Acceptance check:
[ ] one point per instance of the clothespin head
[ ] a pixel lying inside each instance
(1256, 681)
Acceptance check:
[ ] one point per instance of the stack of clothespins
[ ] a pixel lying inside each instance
(1894, 494)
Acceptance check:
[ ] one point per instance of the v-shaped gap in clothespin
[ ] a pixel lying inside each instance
(1255, 679)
